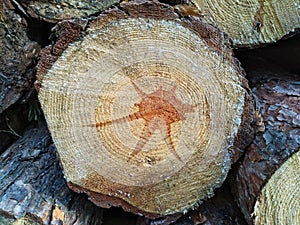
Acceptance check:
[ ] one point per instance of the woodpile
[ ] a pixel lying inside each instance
(149, 109)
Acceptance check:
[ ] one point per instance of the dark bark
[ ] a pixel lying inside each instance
(33, 186)
(17, 74)
(277, 95)
(57, 10)
(16, 55)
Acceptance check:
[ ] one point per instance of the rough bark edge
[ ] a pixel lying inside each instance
(246, 130)
(277, 136)
(107, 202)
(65, 32)
(59, 11)
(69, 31)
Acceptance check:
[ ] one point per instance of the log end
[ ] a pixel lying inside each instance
(145, 112)
(254, 23)
(279, 200)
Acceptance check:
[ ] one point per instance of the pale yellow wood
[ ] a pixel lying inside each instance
(279, 202)
(144, 110)
(252, 22)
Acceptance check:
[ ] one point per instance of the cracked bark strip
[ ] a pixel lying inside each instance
(277, 95)
(17, 56)
(33, 189)
(145, 108)
(58, 10)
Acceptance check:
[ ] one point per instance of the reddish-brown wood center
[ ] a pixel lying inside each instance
(159, 109)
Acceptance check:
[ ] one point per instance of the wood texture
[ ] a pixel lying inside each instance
(279, 200)
(254, 22)
(144, 108)
(220, 209)
(33, 189)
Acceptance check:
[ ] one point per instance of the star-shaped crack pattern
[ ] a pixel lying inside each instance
(159, 110)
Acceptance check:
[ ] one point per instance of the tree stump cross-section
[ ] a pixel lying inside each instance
(144, 111)
(159, 110)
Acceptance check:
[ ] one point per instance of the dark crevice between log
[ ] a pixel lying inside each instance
(221, 209)
(284, 53)
(16, 119)
(115, 216)
(13, 122)
(37, 30)
(174, 2)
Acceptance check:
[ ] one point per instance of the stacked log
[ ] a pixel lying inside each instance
(279, 199)
(149, 110)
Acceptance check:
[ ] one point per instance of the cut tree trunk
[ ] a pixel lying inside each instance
(255, 22)
(277, 95)
(145, 108)
(34, 192)
(33, 189)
